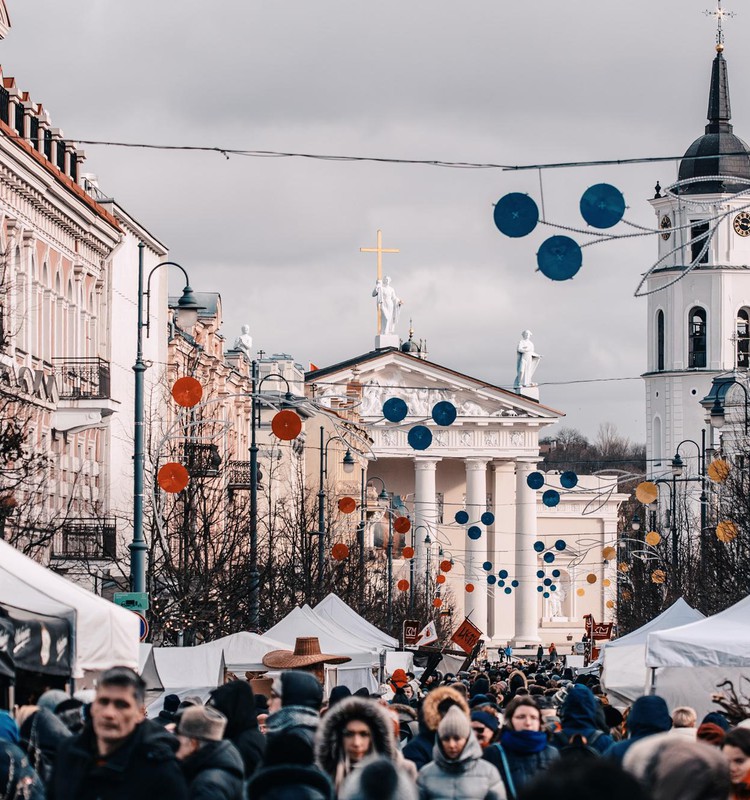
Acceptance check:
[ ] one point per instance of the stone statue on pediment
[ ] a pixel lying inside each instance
(526, 362)
(244, 343)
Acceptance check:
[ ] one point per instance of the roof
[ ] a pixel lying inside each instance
(718, 151)
(407, 358)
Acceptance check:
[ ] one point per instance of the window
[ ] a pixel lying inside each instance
(61, 157)
(697, 338)
(34, 132)
(743, 338)
(19, 119)
(660, 341)
(698, 230)
(48, 143)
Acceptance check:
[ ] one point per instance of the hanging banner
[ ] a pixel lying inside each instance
(7, 641)
(597, 630)
(466, 636)
(40, 643)
(427, 635)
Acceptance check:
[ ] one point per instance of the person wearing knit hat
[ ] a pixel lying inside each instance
(710, 733)
(485, 726)
(169, 708)
(434, 706)
(457, 770)
(212, 765)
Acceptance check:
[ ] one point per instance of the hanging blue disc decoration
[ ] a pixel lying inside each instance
(569, 480)
(555, 573)
(551, 498)
(548, 582)
(508, 590)
(487, 566)
(546, 594)
(503, 573)
(501, 583)
(419, 437)
(475, 532)
(395, 409)
(539, 547)
(602, 205)
(540, 573)
(540, 588)
(516, 215)
(535, 480)
(559, 258)
(444, 413)
(461, 517)
(549, 557)
(491, 579)
(560, 545)
(553, 588)
(487, 518)
(514, 584)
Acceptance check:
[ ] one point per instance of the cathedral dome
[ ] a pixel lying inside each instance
(718, 151)
(410, 346)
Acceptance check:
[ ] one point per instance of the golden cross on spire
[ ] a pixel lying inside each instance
(720, 13)
(379, 250)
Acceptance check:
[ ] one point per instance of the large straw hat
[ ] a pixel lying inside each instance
(306, 653)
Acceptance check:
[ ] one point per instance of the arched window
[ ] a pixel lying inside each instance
(660, 340)
(743, 338)
(697, 338)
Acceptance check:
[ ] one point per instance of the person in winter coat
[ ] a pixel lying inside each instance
(236, 702)
(458, 771)
(17, 777)
(41, 733)
(120, 755)
(523, 750)
(579, 716)
(434, 707)
(378, 779)
(168, 711)
(211, 764)
(736, 750)
(648, 716)
(687, 771)
(350, 732)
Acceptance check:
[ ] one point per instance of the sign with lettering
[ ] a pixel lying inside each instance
(410, 632)
(32, 382)
(466, 636)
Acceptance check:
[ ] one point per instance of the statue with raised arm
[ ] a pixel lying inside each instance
(526, 362)
(389, 305)
(244, 343)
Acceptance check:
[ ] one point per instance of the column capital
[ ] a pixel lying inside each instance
(476, 463)
(526, 466)
(504, 466)
(426, 463)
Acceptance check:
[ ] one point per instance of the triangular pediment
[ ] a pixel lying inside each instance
(377, 377)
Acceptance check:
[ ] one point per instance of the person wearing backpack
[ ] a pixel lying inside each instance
(580, 724)
(648, 716)
(523, 750)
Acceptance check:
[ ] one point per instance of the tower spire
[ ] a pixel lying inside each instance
(719, 107)
(720, 13)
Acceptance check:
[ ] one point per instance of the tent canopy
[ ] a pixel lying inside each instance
(105, 635)
(334, 609)
(678, 614)
(244, 651)
(189, 667)
(722, 640)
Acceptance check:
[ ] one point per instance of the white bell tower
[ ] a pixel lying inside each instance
(698, 323)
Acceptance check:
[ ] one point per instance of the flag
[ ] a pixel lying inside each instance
(467, 636)
(313, 367)
(427, 635)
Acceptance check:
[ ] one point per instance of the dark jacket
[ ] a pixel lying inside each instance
(579, 715)
(434, 706)
(17, 775)
(214, 772)
(143, 767)
(41, 734)
(648, 716)
(236, 702)
(290, 782)
(523, 766)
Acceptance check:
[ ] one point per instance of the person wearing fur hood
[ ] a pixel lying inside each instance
(352, 731)
(434, 707)
(458, 771)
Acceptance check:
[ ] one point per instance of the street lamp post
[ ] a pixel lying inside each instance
(677, 470)
(187, 316)
(715, 401)
(388, 498)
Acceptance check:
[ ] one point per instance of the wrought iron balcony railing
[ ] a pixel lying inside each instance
(86, 538)
(82, 378)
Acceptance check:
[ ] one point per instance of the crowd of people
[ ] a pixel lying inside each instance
(517, 731)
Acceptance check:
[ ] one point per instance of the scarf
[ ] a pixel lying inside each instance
(523, 742)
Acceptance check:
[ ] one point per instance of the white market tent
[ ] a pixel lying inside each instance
(333, 608)
(624, 674)
(691, 660)
(244, 651)
(147, 668)
(104, 635)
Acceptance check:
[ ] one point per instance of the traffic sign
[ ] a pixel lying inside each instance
(144, 626)
(133, 601)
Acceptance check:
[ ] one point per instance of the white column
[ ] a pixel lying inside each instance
(527, 618)
(475, 603)
(425, 513)
(503, 549)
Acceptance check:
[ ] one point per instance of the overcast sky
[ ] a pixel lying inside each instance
(511, 83)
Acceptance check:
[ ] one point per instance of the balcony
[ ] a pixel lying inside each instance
(203, 460)
(82, 378)
(86, 539)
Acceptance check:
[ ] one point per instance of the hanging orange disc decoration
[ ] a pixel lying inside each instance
(437, 602)
(402, 525)
(408, 552)
(658, 576)
(726, 531)
(339, 551)
(187, 392)
(402, 585)
(286, 425)
(469, 587)
(347, 505)
(718, 470)
(446, 566)
(173, 477)
(646, 492)
(440, 579)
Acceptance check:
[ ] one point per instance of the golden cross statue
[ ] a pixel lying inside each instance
(719, 13)
(379, 250)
